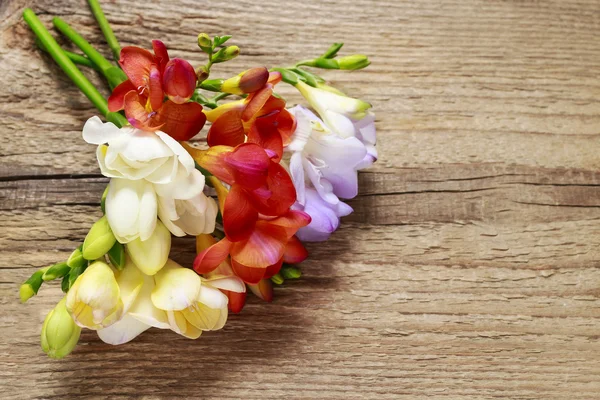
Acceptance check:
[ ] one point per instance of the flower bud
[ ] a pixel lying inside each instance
(290, 272)
(246, 82)
(204, 42)
(151, 255)
(202, 74)
(31, 286)
(56, 271)
(99, 240)
(214, 85)
(59, 332)
(353, 62)
(225, 54)
(277, 279)
(116, 255)
(179, 80)
(76, 259)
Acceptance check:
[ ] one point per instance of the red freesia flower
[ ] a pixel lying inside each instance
(151, 78)
(261, 255)
(261, 117)
(258, 186)
(258, 223)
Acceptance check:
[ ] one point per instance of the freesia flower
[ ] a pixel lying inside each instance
(325, 216)
(99, 297)
(151, 77)
(258, 185)
(345, 116)
(152, 174)
(236, 299)
(141, 316)
(261, 117)
(192, 304)
(324, 159)
(323, 167)
(261, 255)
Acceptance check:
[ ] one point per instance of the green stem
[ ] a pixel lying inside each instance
(83, 44)
(70, 68)
(76, 58)
(109, 35)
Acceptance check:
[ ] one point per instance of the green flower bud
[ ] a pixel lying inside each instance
(290, 272)
(354, 62)
(225, 54)
(59, 332)
(76, 258)
(326, 63)
(116, 256)
(99, 240)
(205, 43)
(30, 287)
(277, 279)
(56, 271)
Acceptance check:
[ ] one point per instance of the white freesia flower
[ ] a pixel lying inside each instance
(345, 116)
(136, 154)
(192, 304)
(150, 255)
(152, 174)
(100, 296)
(140, 316)
(131, 208)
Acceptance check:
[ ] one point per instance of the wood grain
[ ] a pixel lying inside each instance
(470, 268)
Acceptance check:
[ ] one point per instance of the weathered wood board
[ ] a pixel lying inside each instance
(470, 268)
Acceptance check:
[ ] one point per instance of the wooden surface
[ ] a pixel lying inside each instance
(470, 269)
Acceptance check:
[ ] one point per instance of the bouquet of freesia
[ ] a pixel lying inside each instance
(278, 175)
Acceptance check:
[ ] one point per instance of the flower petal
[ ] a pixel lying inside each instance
(176, 287)
(212, 297)
(145, 311)
(181, 121)
(295, 252)
(116, 101)
(227, 130)
(161, 56)
(230, 283)
(179, 80)
(265, 133)
(236, 301)
(263, 290)
(150, 255)
(249, 165)
(239, 217)
(97, 132)
(210, 258)
(264, 247)
(256, 101)
(123, 331)
(136, 62)
(248, 274)
(283, 192)
(137, 115)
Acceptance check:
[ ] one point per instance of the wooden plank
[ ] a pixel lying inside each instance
(470, 268)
